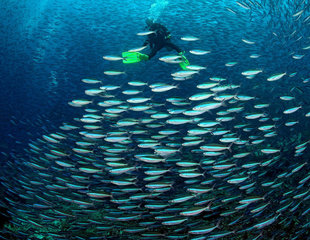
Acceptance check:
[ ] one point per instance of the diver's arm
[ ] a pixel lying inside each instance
(165, 30)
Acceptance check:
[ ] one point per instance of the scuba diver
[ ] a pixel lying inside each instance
(158, 38)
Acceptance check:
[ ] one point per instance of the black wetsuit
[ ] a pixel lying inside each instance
(159, 39)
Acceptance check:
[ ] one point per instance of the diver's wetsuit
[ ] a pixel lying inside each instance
(159, 39)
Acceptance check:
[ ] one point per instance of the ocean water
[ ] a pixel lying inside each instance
(165, 163)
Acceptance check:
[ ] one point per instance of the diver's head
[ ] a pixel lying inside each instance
(149, 22)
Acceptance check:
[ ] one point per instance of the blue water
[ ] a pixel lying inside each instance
(48, 46)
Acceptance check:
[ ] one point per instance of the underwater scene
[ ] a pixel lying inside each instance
(155, 119)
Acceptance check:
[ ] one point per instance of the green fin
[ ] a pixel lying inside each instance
(185, 62)
(131, 57)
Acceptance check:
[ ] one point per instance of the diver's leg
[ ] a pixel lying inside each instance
(173, 46)
(154, 51)
(184, 62)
